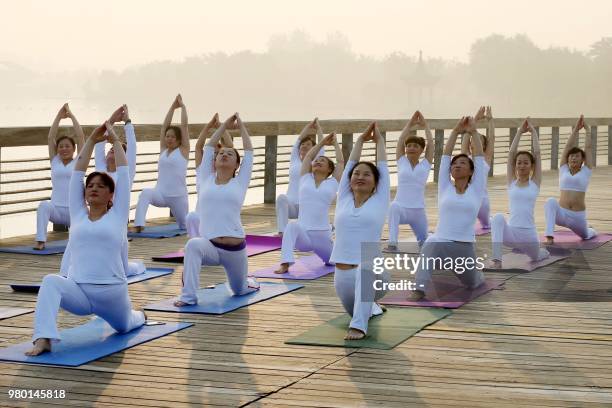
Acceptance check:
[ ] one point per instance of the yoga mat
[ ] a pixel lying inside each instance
(306, 267)
(51, 248)
(256, 244)
(88, 342)
(218, 300)
(150, 273)
(384, 331)
(159, 231)
(567, 239)
(8, 312)
(519, 262)
(445, 291)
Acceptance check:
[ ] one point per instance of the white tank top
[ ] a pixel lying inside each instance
(315, 202)
(411, 183)
(60, 181)
(172, 173)
(522, 203)
(577, 182)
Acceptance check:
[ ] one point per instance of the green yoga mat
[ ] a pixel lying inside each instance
(384, 332)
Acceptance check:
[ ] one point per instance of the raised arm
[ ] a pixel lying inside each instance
(85, 155)
(400, 148)
(246, 167)
(199, 146)
(247, 145)
(381, 151)
(452, 139)
(429, 147)
(339, 159)
(306, 132)
(78, 130)
(121, 198)
(490, 136)
(184, 128)
(61, 114)
(368, 134)
(588, 146)
(167, 120)
(511, 165)
(535, 142)
(132, 144)
(572, 139)
(312, 153)
(475, 138)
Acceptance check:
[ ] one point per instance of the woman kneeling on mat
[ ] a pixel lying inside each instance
(311, 231)
(61, 154)
(458, 205)
(222, 194)
(96, 282)
(523, 189)
(574, 177)
(361, 209)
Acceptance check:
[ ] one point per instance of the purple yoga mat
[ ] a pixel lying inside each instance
(305, 268)
(567, 239)
(516, 261)
(256, 244)
(446, 291)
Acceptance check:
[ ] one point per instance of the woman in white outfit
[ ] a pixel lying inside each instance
(96, 282)
(171, 188)
(222, 240)
(574, 177)
(458, 205)
(61, 154)
(193, 218)
(287, 206)
(311, 231)
(524, 174)
(488, 145)
(361, 209)
(412, 174)
(106, 164)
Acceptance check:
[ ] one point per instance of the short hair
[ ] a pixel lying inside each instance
(310, 139)
(219, 147)
(69, 138)
(575, 150)
(107, 180)
(331, 164)
(525, 152)
(372, 167)
(455, 158)
(177, 132)
(415, 139)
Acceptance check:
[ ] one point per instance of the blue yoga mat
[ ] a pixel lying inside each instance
(159, 231)
(8, 312)
(219, 300)
(150, 273)
(51, 248)
(89, 342)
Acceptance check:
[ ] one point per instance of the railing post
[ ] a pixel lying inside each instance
(347, 145)
(271, 146)
(537, 128)
(439, 148)
(594, 144)
(554, 148)
(609, 145)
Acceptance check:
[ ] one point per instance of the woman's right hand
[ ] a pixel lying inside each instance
(368, 134)
(461, 125)
(231, 122)
(111, 136)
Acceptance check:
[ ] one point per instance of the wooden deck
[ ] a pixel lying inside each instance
(526, 346)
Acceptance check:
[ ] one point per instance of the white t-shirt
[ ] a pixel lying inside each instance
(295, 170)
(411, 183)
(315, 202)
(60, 181)
(522, 202)
(172, 173)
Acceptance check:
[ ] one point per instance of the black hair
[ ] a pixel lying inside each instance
(310, 139)
(177, 132)
(107, 180)
(527, 153)
(59, 139)
(372, 167)
(575, 150)
(454, 159)
(415, 139)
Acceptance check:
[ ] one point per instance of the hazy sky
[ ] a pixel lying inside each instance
(66, 34)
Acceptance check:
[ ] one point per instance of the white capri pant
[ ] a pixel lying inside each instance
(285, 209)
(178, 205)
(47, 211)
(135, 267)
(574, 220)
(524, 239)
(435, 247)
(110, 302)
(415, 217)
(296, 237)
(359, 298)
(484, 213)
(200, 251)
(193, 225)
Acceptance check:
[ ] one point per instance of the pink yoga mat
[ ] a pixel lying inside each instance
(256, 244)
(307, 267)
(446, 291)
(516, 261)
(567, 239)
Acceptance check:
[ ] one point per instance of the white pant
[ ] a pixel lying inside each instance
(47, 211)
(357, 297)
(200, 251)
(110, 302)
(135, 267)
(484, 212)
(415, 217)
(574, 220)
(435, 247)
(524, 239)
(285, 209)
(178, 205)
(296, 237)
(193, 225)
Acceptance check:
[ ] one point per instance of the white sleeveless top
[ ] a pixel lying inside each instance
(172, 173)
(411, 183)
(577, 182)
(315, 202)
(60, 181)
(522, 203)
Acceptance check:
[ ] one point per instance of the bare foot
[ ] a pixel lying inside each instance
(180, 303)
(283, 268)
(40, 346)
(416, 295)
(550, 240)
(40, 245)
(496, 264)
(354, 334)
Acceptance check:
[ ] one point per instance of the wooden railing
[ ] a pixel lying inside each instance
(23, 183)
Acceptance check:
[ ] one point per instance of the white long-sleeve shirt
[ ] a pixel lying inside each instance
(100, 154)
(295, 171)
(172, 173)
(97, 245)
(411, 183)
